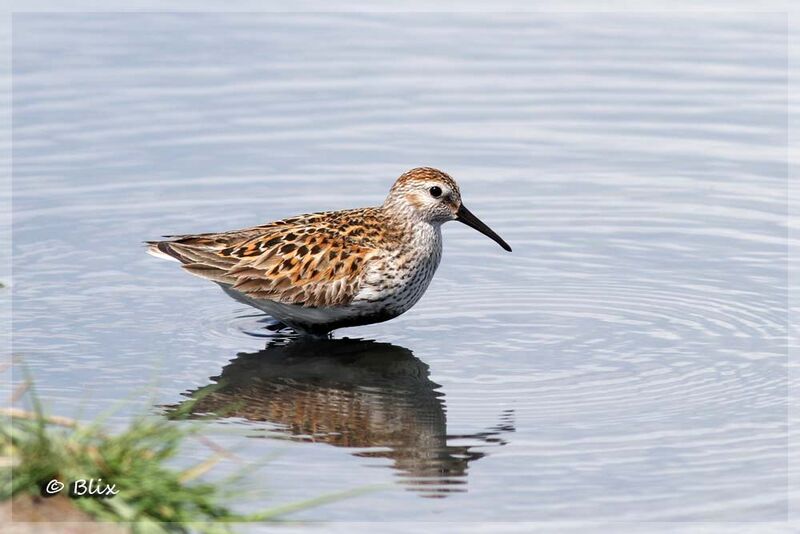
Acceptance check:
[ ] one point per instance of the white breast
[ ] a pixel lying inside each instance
(398, 279)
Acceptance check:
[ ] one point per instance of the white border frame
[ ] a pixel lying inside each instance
(575, 6)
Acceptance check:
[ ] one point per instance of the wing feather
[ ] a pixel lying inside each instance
(315, 261)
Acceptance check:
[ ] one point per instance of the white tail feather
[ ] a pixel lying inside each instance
(153, 251)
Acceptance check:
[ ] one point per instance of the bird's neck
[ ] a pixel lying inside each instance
(412, 233)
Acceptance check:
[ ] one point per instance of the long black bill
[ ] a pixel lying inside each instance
(466, 217)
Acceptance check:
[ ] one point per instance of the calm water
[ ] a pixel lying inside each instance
(627, 361)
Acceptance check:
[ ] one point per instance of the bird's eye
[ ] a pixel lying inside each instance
(436, 191)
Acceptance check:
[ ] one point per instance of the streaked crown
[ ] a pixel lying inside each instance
(425, 194)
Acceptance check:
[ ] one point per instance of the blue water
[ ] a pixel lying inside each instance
(626, 362)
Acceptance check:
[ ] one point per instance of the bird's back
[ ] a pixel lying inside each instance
(314, 260)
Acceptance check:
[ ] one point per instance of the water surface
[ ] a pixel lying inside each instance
(626, 362)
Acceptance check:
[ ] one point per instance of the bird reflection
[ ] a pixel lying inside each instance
(350, 393)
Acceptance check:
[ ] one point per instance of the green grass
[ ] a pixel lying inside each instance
(152, 497)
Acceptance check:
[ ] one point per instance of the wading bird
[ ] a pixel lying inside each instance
(319, 272)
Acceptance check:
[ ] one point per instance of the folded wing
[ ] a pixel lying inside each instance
(313, 261)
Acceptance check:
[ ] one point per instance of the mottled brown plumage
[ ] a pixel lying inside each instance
(312, 260)
(353, 266)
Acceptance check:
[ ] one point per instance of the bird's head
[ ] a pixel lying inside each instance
(430, 195)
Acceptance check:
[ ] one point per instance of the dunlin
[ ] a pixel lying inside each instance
(323, 271)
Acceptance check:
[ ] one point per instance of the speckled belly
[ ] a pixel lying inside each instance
(395, 287)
